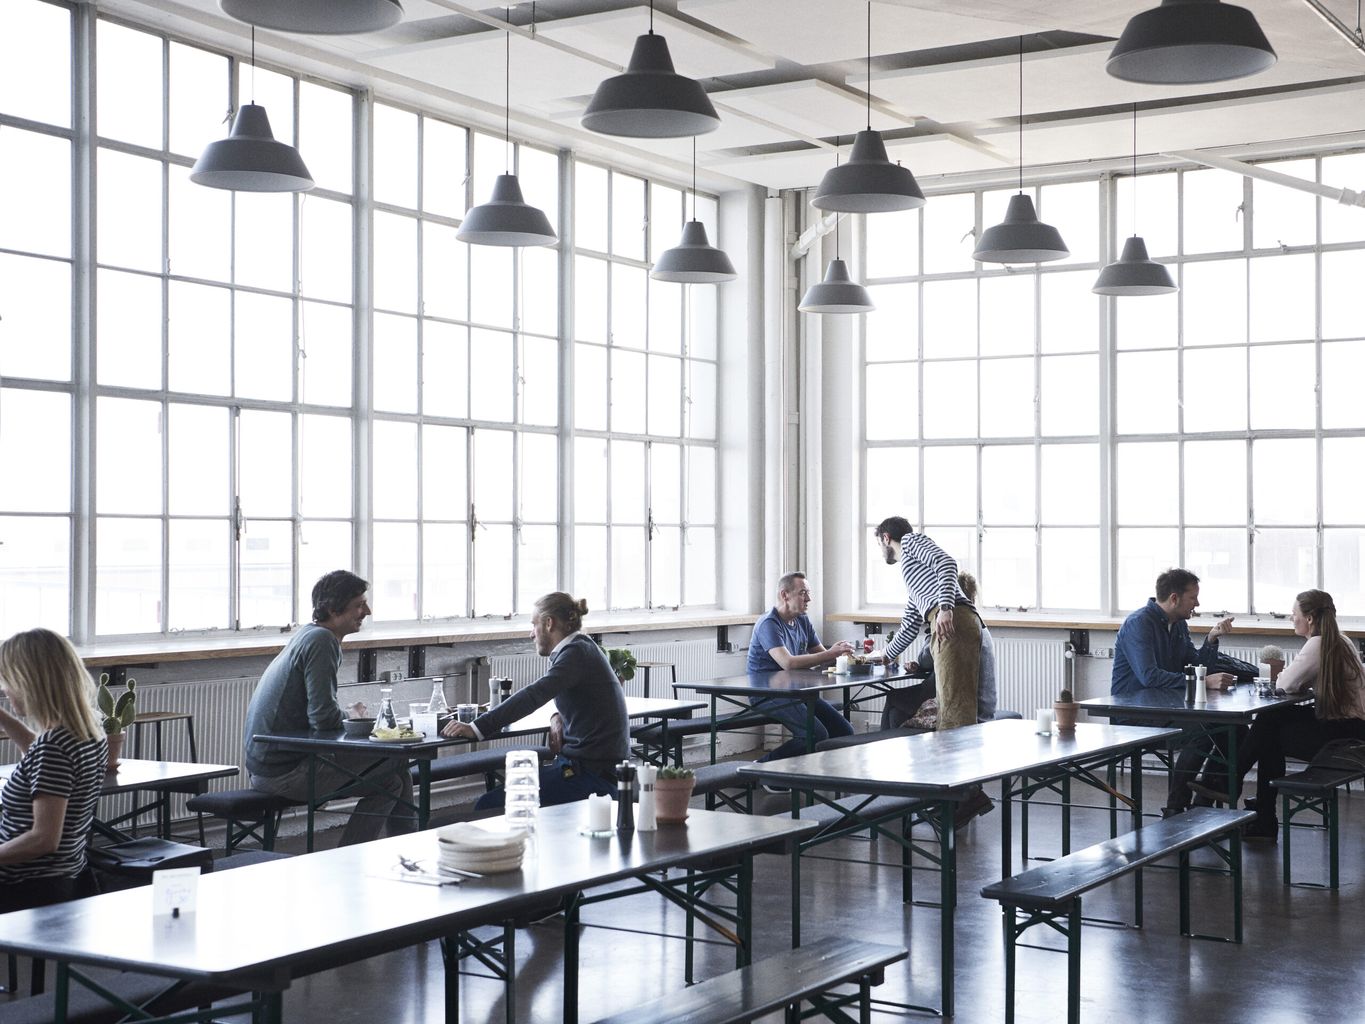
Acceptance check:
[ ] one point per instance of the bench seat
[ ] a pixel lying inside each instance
(713, 780)
(85, 1007)
(249, 814)
(652, 735)
(775, 983)
(1314, 790)
(488, 763)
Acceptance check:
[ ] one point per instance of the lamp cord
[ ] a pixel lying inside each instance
(1021, 115)
(507, 95)
(651, 17)
(1135, 167)
(694, 177)
(253, 63)
(869, 65)
(837, 140)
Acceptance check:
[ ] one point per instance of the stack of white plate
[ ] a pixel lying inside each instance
(467, 847)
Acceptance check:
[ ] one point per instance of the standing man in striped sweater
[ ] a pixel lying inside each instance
(934, 599)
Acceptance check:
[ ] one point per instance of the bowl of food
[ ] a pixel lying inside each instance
(859, 665)
(358, 728)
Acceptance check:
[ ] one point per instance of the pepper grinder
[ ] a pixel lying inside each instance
(648, 821)
(625, 801)
(1191, 683)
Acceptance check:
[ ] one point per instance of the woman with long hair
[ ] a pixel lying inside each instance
(48, 803)
(1328, 665)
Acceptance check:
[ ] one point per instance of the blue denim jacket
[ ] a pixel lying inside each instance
(1151, 652)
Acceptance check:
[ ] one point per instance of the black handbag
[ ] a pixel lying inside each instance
(1344, 755)
(1245, 671)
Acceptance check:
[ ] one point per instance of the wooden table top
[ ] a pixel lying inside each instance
(266, 923)
(940, 763)
(797, 681)
(1238, 705)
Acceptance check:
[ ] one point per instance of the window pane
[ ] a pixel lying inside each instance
(198, 480)
(325, 135)
(1147, 491)
(893, 483)
(540, 290)
(444, 491)
(1073, 209)
(627, 566)
(892, 401)
(699, 566)
(893, 244)
(35, 192)
(946, 221)
(1071, 568)
(491, 158)
(952, 496)
(1219, 559)
(325, 453)
(1007, 485)
(1343, 365)
(627, 392)
(199, 336)
(199, 242)
(128, 458)
(1071, 485)
(1282, 292)
(1147, 393)
(325, 250)
(198, 574)
(395, 470)
(540, 381)
(445, 273)
(700, 400)
(1069, 395)
(666, 317)
(1008, 566)
(322, 548)
(665, 396)
(590, 564)
(198, 98)
(1007, 397)
(266, 554)
(627, 482)
(263, 346)
(1282, 482)
(395, 164)
(627, 216)
(490, 371)
(1343, 570)
(590, 300)
(590, 387)
(491, 287)
(1007, 315)
(33, 289)
(35, 451)
(265, 464)
(128, 329)
(128, 85)
(127, 576)
(493, 570)
(1214, 299)
(444, 569)
(884, 584)
(1285, 563)
(1070, 312)
(701, 485)
(1342, 458)
(129, 220)
(395, 262)
(35, 63)
(1284, 216)
(590, 207)
(629, 290)
(445, 369)
(1215, 482)
(665, 561)
(950, 399)
(959, 542)
(537, 564)
(493, 480)
(949, 318)
(1157, 204)
(325, 348)
(1151, 323)
(892, 329)
(393, 593)
(1341, 273)
(443, 169)
(539, 478)
(1283, 392)
(703, 322)
(665, 483)
(1141, 556)
(1215, 383)
(263, 239)
(35, 573)
(538, 172)
(667, 213)
(395, 363)
(1213, 220)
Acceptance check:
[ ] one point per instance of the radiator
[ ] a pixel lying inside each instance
(1028, 674)
(693, 660)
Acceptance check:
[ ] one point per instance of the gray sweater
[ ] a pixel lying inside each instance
(587, 696)
(298, 690)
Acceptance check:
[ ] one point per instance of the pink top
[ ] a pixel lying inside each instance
(1302, 672)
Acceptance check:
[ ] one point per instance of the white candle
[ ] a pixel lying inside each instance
(599, 813)
(1044, 721)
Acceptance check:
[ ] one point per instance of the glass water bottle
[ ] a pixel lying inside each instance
(438, 704)
(386, 718)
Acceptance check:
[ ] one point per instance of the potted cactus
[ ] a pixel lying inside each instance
(1064, 712)
(672, 791)
(117, 714)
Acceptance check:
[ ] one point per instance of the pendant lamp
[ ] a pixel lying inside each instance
(1135, 273)
(506, 219)
(868, 182)
(651, 100)
(1021, 237)
(1185, 42)
(694, 260)
(317, 17)
(838, 292)
(250, 159)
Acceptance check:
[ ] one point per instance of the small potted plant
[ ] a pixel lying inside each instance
(1064, 712)
(1274, 657)
(672, 791)
(622, 663)
(118, 713)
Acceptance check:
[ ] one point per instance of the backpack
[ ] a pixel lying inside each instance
(1245, 671)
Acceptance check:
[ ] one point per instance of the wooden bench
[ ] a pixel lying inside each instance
(249, 814)
(1051, 894)
(780, 982)
(1314, 790)
(717, 782)
(652, 735)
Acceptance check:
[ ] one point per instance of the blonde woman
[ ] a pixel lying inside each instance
(48, 803)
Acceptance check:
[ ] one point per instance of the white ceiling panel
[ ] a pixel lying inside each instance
(735, 132)
(822, 31)
(473, 65)
(696, 52)
(926, 156)
(812, 108)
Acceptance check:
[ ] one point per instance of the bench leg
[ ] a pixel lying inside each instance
(1073, 963)
(571, 938)
(689, 930)
(1008, 916)
(796, 880)
(864, 1000)
(450, 958)
(1184, 892)
(509, 984)
(1066, 815)
(948, 896)
(1284, 838)
(1333, 837)
(1235, 856)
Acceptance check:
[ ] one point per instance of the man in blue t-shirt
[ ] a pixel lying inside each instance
(785, 639)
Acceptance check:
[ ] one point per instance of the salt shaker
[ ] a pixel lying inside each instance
(648, 822)
(1200, 690)
(625, 801)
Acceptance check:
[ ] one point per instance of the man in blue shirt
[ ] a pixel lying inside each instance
(1151, 653)
(785, 639)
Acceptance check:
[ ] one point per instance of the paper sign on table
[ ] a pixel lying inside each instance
(174, 891)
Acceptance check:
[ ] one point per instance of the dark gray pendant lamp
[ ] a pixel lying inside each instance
(506, 219)
(694, 260)
(250, 159)
(1135, 273)
(1021, 237)
(317, 17)
(838, 292)
(1184, 42)
(868, 182)
(651, 100)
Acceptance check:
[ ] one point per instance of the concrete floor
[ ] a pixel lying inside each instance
(1298, 962)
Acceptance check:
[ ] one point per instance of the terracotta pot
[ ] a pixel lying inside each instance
(671, 797)
(1065, 715)
(115, 749)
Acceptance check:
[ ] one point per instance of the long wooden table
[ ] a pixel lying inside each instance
(325, 747)
(259, 927)
(941, 769)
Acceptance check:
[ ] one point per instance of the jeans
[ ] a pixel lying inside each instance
(387, 781)
(791, 713)
(562, 781)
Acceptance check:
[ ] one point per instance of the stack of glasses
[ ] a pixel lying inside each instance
(521, 781)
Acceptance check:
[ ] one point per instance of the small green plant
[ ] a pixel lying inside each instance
(622, 663)
(671, 772)
(1065, 697)
(118, 713)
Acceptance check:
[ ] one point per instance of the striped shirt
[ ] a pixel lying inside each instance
(930, 576)
(55, 764)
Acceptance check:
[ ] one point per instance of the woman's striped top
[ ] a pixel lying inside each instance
(55, 764)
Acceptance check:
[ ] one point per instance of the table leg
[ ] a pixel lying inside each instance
(570, 1015)
(1234, 783)
(1135, 773)
(312, 798)
(61, 993)
(713, 728)
(450, 949)
(947, 847)
(1007, 826)
(744, 952)
(796, 877)
(423, 793)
